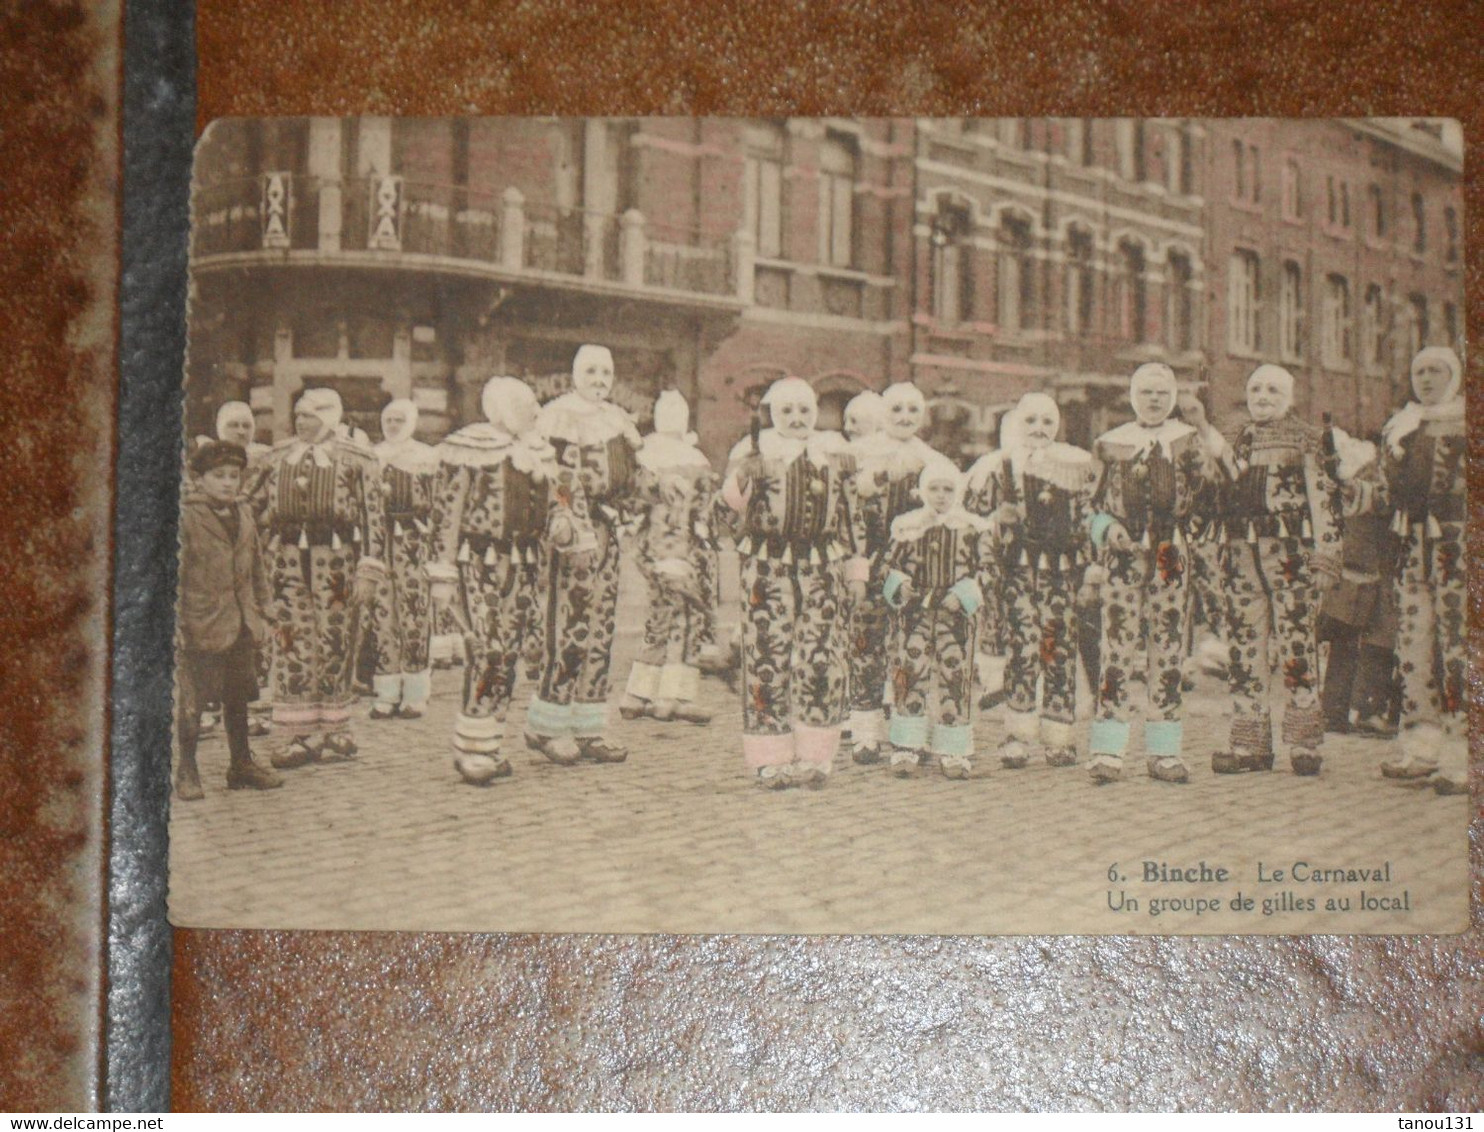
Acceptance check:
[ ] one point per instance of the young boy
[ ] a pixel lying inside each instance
(933, 565)
(222, 592)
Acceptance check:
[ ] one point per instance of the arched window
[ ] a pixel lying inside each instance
(1419, 224)
(1132, 292)
(1293, 205)
(837, 176)
(1017, 275)
(952, 264)
(1337, 321)
(1081, 282)
(762, 197)
(1290, 313)
(1375, 327)
(1243, 298)
(1180, 305)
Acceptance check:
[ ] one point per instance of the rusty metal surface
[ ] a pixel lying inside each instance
(58, 132)
(411, 1021)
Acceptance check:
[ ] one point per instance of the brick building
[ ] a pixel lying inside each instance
(1337, 250)
(979, 258)
(417, 257)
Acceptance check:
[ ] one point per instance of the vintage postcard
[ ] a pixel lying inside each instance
(824, 525)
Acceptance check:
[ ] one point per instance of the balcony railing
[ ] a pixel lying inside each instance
(282, 211)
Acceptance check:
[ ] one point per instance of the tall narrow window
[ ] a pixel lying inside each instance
(1254, 173)
(1290, 313)
(1132, 292)
(1074, 128)
(1087, 142)
(1080, 282)
(1344, 204)
(1419, 224)
(1180, 304)
(837, 201)
(1450, 232)
(1333, 196)
(763, 189)
(1187, 161)
(1418, 328)
(1242, 300)
(1017, 278)
(1375, 327)
(1141, 170)
(1337, 320)
(953, 280)
(1292, 203)
(1239, 170)
(1378, 212)
(1450, 325)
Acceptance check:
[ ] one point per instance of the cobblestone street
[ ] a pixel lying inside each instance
(678, 838)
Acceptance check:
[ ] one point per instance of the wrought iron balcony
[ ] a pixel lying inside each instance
(283, 215)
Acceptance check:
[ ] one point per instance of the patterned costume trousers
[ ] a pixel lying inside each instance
(794, 661)
(500, 600)
(404, 627)
(932, 680)
(1272, 603)
(1143, 641)
(677, 629)
(315, 636)
(1432, 645)
(1040, 626)
(581, 604)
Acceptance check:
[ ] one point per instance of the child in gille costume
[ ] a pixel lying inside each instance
(800, 567)
(931, 583)
(494, 505)
(1038, 493)
(404, 623)
(887, 464)
(678, 557)
(1153, 468)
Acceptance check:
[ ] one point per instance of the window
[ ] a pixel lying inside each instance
(1418, 329)
(1290, 313)
(1450, 325)
(1450, 231)
(763, 189)
(1132, 292)
(837, 170)
(1242, 299)
(1336, 320)
(1332, 195)
(1246, 172)
(1080, 282)
(1087, 148)
(952, 282)
(1017, 277)
(1180, 304)
(1130, 140)
(1378, 212)
(1419, 224)
(1181, 172)
(1292, 202)
(1375, 327)
(1344, 204)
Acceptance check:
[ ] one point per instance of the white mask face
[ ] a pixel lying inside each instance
(940, 495)
(793, 416)
(904, 414)
(395, 422)
(592, 373)
(239, 430)
(1269, 395)
(1153, 398)
(859, 423)
(1039, 421)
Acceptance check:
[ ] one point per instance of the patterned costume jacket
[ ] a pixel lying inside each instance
(1280, 520)
(1149, 481)
(494, 500)
(931, 667)
(1423, 488)
(677, 553)
(319, 507)
(1037, 569)
(404, 623)
(597, 477)
(798, 546)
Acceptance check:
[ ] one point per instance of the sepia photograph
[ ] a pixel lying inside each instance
(824, 525)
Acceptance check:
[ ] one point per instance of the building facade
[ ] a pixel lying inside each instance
(418, 257)
(1338, 247)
